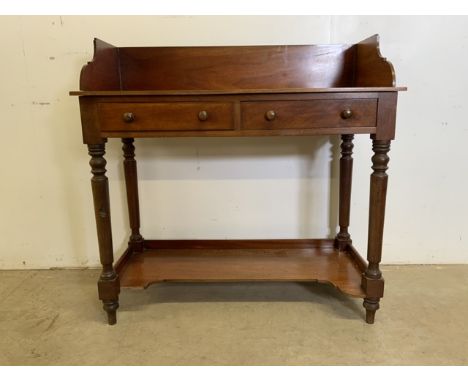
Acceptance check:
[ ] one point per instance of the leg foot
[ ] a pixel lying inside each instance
(370, 316)
(111, 309)
(371, 305)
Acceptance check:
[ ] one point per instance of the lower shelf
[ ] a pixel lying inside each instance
(243, 260)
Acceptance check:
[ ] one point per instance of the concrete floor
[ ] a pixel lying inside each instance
(54, 318)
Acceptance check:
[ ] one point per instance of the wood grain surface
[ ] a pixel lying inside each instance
(237, 91)
(243, 260)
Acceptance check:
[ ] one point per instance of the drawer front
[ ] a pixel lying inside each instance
(309, 114)
(166, 116)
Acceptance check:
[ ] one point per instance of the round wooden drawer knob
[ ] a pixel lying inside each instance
(128, 117)
(270, 115)
(203, 115)
(346, 114)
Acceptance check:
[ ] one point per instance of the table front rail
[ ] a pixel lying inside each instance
(238, 115)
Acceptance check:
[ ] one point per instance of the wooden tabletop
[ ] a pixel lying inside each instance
(233, 91)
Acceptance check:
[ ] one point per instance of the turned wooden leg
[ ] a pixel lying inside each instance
(108, 284)
(343, 237)
(372, 281)
(131, 182)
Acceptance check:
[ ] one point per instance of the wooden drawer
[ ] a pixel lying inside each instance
(309, 114)
(166, 116)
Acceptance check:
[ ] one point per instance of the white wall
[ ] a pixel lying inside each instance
(229, 188)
